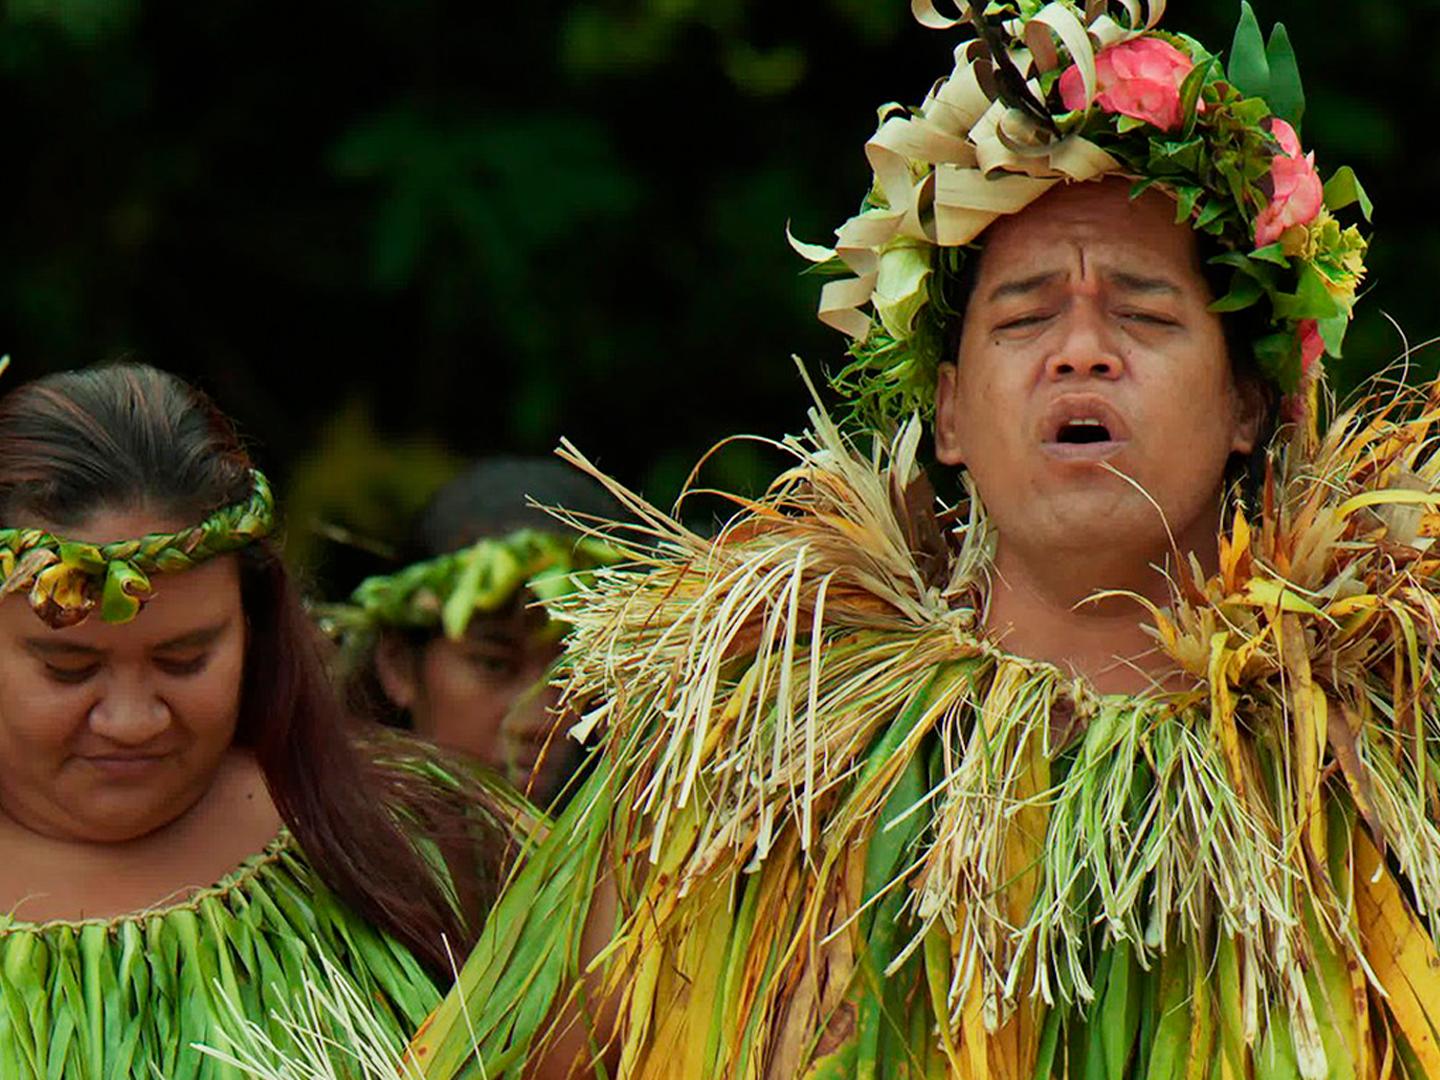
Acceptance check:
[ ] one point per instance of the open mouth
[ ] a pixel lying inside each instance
(1082, 428)
(1083, 432)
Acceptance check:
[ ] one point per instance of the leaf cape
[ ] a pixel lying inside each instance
(130, 997)
(158, 993)
(852, 838)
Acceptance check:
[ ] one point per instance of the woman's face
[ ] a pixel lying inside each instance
(485, 694)
(109, 732)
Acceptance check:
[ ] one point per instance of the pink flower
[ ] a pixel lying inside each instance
(1299, 195)
(1312, 345)
(1140, 78)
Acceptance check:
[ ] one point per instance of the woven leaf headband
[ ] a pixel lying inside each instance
(448, 591)
(1063, 92)
(68, 579)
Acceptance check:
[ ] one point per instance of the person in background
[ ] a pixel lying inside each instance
(453, 646)
(191, 829)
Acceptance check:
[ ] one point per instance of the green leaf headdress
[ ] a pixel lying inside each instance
(1068, 91)
(447, 592)
(66, 579)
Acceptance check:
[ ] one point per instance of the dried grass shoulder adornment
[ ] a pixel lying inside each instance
(448, 591)
(1062, 92)
(853, 837)
(67, 579)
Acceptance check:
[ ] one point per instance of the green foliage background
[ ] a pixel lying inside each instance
(389, 235)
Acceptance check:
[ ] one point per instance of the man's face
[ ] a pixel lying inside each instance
(1088, 347)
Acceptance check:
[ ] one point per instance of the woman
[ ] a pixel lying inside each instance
(453, 646)
(189, 827)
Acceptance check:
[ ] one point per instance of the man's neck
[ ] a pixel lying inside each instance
(1041, 607)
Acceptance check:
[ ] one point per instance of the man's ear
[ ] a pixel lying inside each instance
(395, 663)
(947, 416)
(1252, 405)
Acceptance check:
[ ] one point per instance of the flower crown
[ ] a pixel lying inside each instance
(68, 579)
(448, 591)
(1052, 93)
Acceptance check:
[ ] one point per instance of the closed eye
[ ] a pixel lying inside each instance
(1023, 322)
(70, 676)
(1147, 318)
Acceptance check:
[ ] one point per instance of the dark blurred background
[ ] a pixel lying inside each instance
(389, 235)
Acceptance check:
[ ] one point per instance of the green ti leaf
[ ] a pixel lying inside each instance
(1190, 91)
(86, 557)
(1310, 300)
(1332, 332)
(1279, 358)
(1269, 72)
(1120, 1013)
(1262, 272)
(1272, 253)
(1286, 95)
(460, 605)
(124, 588)
(1344, 189)
(1186, 196)
(1249, 70)
(1244, 292)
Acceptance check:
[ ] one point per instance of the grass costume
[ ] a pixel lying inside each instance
(128, 996)
(851, 836)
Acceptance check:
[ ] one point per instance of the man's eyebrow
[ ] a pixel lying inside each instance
(1141, 283)
(1022, 286)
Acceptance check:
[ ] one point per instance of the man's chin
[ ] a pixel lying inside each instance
(1100, 512)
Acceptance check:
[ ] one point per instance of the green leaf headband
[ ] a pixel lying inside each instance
(1053, 93)
(67, 579)
(448, 591)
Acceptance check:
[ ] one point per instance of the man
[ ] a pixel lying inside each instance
(1124, 766)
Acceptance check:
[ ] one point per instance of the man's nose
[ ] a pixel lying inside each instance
(130, 713)
(1088, 348)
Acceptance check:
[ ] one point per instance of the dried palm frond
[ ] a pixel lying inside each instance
(851, 836)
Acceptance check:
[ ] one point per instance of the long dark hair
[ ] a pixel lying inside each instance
(127, 436)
